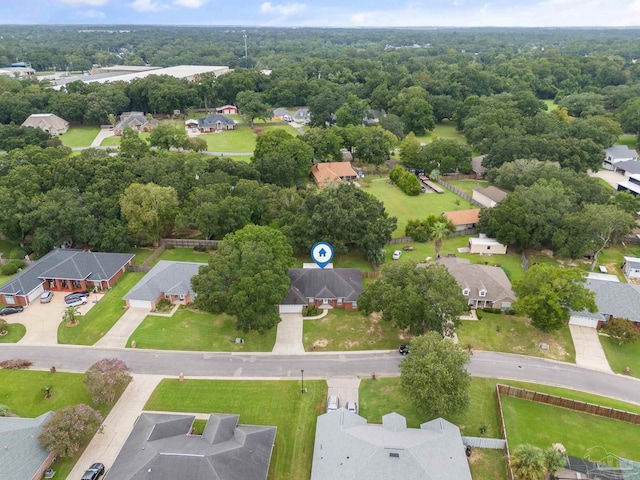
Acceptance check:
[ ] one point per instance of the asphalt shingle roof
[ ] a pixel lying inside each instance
(67, 264)
(24, 455)
(212, 121)
(621, 300)
(492, 193)
(160, 444)
(306, 283)
(165, 277)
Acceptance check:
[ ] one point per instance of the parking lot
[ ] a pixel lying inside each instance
(42, 319)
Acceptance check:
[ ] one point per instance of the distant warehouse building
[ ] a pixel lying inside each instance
(189, 72)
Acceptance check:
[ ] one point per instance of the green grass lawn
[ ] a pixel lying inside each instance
(446, 129)
(102, 316)
(110, 142)
(487, 464)
(79, 136)
(16, 332)
(613, 257)
(404, 207)
(349, 330)
(622, 356)
(141, 254)
(543, 425)
(184, 255)
(242, 139)
(510, 334)
(199, 331)
(467, 186)
(550, 105)
(353, 259)
(22, 392)
(274, 403)
(628, 140)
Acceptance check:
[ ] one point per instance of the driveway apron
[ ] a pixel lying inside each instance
(289, 335)
(589, 352)
(119, 334)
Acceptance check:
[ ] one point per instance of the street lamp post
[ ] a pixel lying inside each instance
(302, 376)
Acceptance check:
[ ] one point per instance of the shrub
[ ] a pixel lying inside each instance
(5, 411)
(11, 267)
(622, 330)
(15, 364)
(69, 429)
(311, 311)
(4, 326)
(491, 310)
(17, 254)
(407, 182)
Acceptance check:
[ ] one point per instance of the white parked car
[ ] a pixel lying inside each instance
(46, 296)
(352, 407)
(397, 254)
(76, 301)
(332, 403)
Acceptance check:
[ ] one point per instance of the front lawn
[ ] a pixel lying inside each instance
(199, 331)
(16, 332)
(184, 255)
(543, 425)
(273, 403)
(242, 139)
(350, 330)
(622, 356)
(79, 136)
(102, 316)
(404, 207)
(511, 334)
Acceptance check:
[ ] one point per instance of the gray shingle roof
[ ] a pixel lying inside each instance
(160, 444)
(281, 112)
(620, 151)
(24, 455)
(476, 164)
(631, 166)
(345, 283)
(492, 193)
(348, 448)
(67, 264)
(213, 120)
(165, 277)
(621, 300)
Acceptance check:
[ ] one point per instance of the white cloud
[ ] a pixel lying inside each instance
(284, 9)
(189, 3)
(92, 13)
(91, 3)
(146, 6)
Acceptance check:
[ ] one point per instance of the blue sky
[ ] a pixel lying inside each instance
(331, 13)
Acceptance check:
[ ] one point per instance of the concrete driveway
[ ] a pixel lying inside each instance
(346, 388)
(612, 178)
(124, 327)
(589, 352)
(42, 319)
(289, 335)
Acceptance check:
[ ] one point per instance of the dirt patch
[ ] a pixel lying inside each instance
(548, 253)
(351, 343)
(258, 131)
(475, 457)
(321, 343)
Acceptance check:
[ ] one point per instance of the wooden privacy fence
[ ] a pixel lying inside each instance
(460, 193)
(576, 405)
(189, 242)
(394, 241)
(503, 432)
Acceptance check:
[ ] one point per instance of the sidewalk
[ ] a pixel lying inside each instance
(589, 352)
(105, 446)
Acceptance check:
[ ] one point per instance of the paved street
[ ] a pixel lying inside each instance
(321, 365)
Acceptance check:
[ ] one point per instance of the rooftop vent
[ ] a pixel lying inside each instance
(394, 454)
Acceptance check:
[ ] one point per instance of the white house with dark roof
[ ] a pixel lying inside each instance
(215, 123)
(614, 300)
(65, 270)
(21, 455)
(170, 280)
(616, 154)
(631, 267)
(347, 447)
(335, 287)
(161, 447)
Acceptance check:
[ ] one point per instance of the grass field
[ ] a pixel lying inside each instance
(353, 259)
(622, 356)
(276, 403)
(141, 254)
(509, 334)
(110, 142)
(184, 255)
(199, 331)
(542, 425)
(467, 186)
(102, 316)
(405, 208)
(343, 330)
(628, 140)
(446, 130)
(16, 332)
(79, 136)
(550, 105)
(242, 139)
(22, 392)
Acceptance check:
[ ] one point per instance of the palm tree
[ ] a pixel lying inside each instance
(439, 231)
(527, 463)
(70, 316)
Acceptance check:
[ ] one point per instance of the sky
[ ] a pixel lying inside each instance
(327, 13)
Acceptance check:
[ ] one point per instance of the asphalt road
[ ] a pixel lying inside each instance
(321, 365)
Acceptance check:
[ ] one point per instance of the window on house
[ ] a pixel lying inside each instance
(466, 292)
(488, 247)
(339, 301)
(483, 293)
(181, 297)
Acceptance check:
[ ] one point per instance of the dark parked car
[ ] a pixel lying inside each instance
(11, 310)
(404, 349)
(93, 472)
(79, 293)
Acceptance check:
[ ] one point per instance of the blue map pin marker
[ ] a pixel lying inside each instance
(322, 254)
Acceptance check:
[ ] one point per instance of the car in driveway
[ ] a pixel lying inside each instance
(78, 294)
(93, 472)
(332, 403)
(11, 310)
(46, 296)
(352, 407)
(397, 254)
(75, 301)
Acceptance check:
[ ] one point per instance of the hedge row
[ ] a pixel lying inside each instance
(407, 182)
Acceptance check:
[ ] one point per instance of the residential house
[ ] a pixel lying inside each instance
(331, 173)
(191, 124)
(137, 121)
(65, 270)
(628, 167)
(347, 447)
(464, 219)
(282, 114)
(227, 110)
(328, 287)
(482, 285)
(631, 267)
(49, 122)
(617, 154)
(477, 167)
(166, 280)
(488, 197)
(372, 117)
(614, 300)
(486, 246)
(21, 455)
(302, 115)
(161, 447)
(215, 123)
(632, 185)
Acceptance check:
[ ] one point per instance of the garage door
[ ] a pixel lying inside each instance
(290, 308)
(35, 293)
(583, 322)
(139, 304)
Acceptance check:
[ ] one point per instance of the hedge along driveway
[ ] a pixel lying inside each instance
(102, 316)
